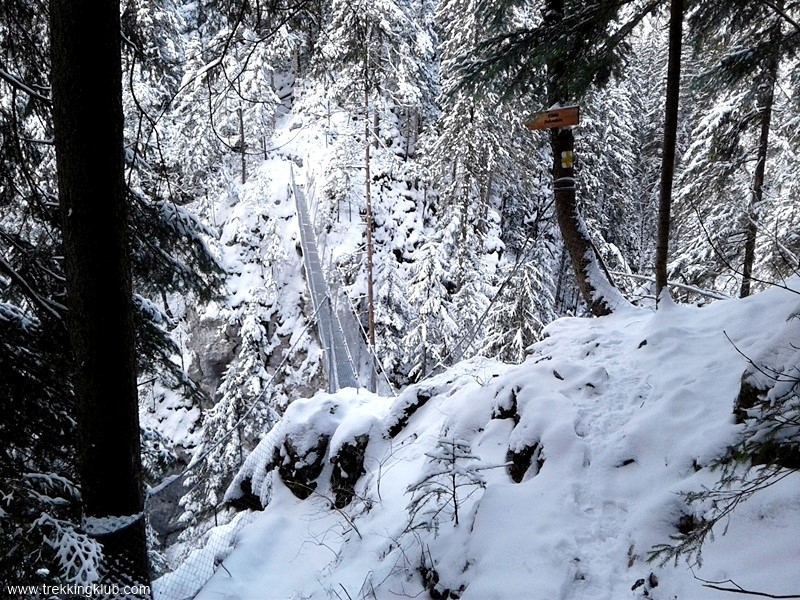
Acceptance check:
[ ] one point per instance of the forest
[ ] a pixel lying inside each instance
(304, 299)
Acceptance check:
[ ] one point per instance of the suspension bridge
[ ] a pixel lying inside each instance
(349, 360)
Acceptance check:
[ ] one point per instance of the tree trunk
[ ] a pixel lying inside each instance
(242, 146)
(570, 222)
(87, 115)
(670, 140)
(368, 176)
(751, 226)
(409, 116)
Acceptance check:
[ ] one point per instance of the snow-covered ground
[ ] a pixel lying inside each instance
(627, 411)
(606, 423)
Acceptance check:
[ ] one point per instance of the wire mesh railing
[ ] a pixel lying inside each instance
(363, 361)
(339, 364)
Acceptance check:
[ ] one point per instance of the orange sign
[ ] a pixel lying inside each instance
(557, 117)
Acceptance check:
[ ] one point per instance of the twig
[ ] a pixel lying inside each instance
(775, 375)
(50, 306)
(727, 263)
(18, 84)
(339, 510)
(717, 585)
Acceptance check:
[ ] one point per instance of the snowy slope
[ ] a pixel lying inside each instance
(626, 411)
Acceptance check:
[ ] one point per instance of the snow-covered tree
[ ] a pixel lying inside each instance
(168, 253)
(644, 83)
(524, 307)
(606, 153)
(433, 332)
(735, 174)
(440, 493)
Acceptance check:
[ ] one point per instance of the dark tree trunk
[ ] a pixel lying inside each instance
(670, 139)
(367, 178)
(87, 115)
(242, 146)
(751, 225)
(570, 221)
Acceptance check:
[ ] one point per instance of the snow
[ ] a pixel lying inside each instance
(627, 410)
(169, 414)
(105, 525)
(340, 417)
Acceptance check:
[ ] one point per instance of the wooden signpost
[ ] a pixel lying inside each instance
(556, 117)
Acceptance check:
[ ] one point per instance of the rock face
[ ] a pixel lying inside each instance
(520, 461)
(405, 407)
(247, 500)
(213, 344)
(348, 467)
(751, 392)
(299, 470)
(506, 407)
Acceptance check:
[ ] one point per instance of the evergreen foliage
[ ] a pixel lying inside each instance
(767, 452)
(467, 254)
(434, 333)
(590, 36)
(439, 495)
(516, 319)
(735, 182)
(37, 476)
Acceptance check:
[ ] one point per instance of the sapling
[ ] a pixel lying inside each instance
(439, 494)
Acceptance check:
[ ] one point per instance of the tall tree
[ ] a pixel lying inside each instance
(558, 57)
(670, 140)
(766, 100)
(644, 84)
(87, 115)
(597, 291)
(609, 154)
(40, 528)
(428, 344)
(744, 144)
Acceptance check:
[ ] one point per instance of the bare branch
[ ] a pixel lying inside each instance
(774, 375)
(16, 83)
(727, 263)
(682, 286)
(50, 306)
(794, 24)
(737, 589)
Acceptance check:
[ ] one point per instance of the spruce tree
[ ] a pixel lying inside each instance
(439, 495)
(39, 468)
(669, 144)
(741, 146)
(433, 332)
(87, 116)
(558, 56)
